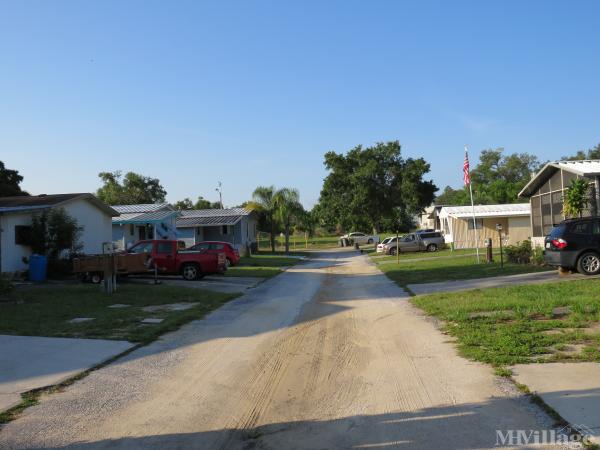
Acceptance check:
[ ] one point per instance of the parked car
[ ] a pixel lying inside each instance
(379, 248)
(232, 254)
(416, 242)
(361, 238)
(169, 259)
(574, 244)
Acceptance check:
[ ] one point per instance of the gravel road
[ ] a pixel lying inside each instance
(329, 354)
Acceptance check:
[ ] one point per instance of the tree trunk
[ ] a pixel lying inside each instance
(287, 238)
(272, 233)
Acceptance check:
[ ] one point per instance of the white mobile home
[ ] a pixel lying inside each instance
(460, 231)
(15, 219)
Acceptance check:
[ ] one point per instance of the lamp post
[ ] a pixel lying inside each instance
(499, 228)
(219, 189)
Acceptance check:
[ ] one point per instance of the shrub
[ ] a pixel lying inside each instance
(5, 286)
(56, 234)
(520, 253)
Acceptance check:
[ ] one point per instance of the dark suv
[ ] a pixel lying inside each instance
(575, 243)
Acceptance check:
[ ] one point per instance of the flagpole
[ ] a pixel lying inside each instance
(473, 213)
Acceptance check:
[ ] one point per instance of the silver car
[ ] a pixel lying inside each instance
(430, 241)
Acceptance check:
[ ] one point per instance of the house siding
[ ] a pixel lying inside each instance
(96, 230)
(514, 229)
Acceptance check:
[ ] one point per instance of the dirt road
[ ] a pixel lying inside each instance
(328, 355)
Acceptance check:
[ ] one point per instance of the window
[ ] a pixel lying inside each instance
(581, 228)
(216, 246)
(478, 224)
(164, 247)
(201, 247)
(536, 216)
(131, 229)
(546, 214)
(22, 234)
(557, 206)
(225, 229)
(145, 247)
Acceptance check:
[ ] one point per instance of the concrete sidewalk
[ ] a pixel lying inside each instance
(571, 389)
(508, 280)
(29, 362)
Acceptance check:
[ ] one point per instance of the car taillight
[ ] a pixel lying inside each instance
(559, 243)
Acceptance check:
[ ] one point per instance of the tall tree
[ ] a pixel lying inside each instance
(497, 178)
(288, 209)
(368, 187)
(263, 201)
(10, 181)
(592, 153)
(134, 189)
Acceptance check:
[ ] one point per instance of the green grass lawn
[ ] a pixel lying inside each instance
(521, 324)
(46, 310)
(447, 269)
(262, 265)
(412, 255)
(298, 243)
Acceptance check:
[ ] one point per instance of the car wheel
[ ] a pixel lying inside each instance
(432, 248)
(589, 264)
(370, 241)
(228, 263)
(96, 278)
(392, 251)
(190, 272)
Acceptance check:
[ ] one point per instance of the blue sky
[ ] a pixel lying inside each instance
(254, 92)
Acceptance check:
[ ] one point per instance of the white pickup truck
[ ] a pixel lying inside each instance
(361, 238)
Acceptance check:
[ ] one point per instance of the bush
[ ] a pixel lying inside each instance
(5, 286)
(524, 253)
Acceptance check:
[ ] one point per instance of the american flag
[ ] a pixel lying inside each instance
(466, 177)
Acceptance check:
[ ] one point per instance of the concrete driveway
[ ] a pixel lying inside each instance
(329, 354)
(29, 362)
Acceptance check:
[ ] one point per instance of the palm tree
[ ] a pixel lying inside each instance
(263, 200)
(288, 208)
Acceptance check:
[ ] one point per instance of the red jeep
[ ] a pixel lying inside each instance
(170, 259)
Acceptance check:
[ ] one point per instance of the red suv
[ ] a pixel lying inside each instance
(231, 253)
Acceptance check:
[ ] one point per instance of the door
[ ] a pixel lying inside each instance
(409, 244)
(165, 256)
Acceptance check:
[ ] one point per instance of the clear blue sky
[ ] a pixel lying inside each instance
(255, 92)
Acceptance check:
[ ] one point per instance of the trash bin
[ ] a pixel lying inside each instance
(38, 265)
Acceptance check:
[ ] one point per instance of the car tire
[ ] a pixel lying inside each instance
(370, 241)
(228, 263)
(393, 251)
(432, 248)
(589, 263)
(96, 278)
(190, 272)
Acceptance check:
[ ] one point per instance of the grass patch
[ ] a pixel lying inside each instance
(298, 242)
(46, 310)
(511, 325)
(412, 255)
(448, 269)
(265, 266)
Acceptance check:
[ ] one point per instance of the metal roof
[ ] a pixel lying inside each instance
(507, 210)
(151, 217)
(23, 203)
(143, 208)
(211, 217)
(584, 168)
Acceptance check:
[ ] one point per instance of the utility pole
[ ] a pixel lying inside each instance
(219, 189)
